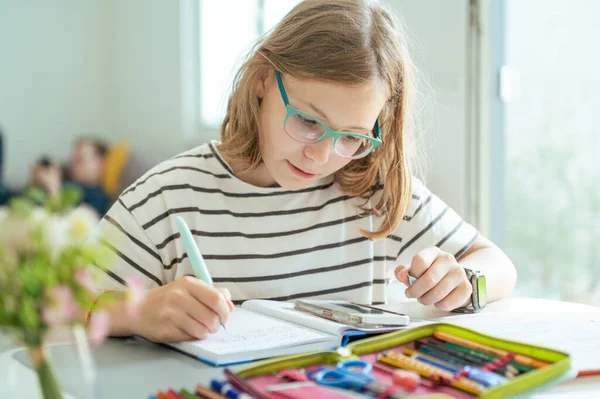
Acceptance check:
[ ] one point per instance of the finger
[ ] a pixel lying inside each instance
(209, 296)
(227, 295)
(202, 314)
(457, 298)
(176, 334)
(181, 335)
(430, 278)
(169, 334)
(423, 260)
(401, 273)
(225, 292)
(450, 281)
(191, 326)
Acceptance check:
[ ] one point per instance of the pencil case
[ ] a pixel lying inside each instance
(259, 378)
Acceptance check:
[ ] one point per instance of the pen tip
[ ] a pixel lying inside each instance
(223, 325)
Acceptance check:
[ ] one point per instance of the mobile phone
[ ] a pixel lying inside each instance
(352, 313)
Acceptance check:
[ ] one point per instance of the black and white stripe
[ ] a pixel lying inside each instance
(223, 234)
(268, 242)
(287, 212)
(312, 294)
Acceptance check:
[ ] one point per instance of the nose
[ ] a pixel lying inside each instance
(319, 152)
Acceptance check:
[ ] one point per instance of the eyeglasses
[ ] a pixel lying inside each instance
(308, 129)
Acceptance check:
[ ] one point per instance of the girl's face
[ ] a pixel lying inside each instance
(344, 108)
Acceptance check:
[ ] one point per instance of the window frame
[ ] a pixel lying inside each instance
(196, 129)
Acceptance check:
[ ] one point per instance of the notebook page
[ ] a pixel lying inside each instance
(248, 331)
(286, 311)
(577, 334)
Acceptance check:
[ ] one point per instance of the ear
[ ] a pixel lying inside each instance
(263, 82)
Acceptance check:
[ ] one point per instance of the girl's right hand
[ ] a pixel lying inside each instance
(183, 310)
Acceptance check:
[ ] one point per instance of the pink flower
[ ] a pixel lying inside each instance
(63, 306)
(52, 316)
(99, 327)
(135, 295)
(84, 277)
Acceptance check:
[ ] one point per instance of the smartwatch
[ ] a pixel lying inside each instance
(478, 294)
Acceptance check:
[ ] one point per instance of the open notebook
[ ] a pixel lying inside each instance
(262, 329)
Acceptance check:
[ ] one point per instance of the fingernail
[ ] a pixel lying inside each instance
(407, 294)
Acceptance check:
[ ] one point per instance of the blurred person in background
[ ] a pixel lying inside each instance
(84, 171)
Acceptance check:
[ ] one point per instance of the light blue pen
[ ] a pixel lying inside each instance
(193, 253)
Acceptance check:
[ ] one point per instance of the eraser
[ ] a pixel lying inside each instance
(406, 379)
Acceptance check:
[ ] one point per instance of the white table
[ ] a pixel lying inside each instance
(588, 387)
(130, 369)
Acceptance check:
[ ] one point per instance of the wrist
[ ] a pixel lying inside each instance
(469, 301)
(114, 303)
(478, 296)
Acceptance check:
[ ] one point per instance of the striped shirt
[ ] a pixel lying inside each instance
(267, 242)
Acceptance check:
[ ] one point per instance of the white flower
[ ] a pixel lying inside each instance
(39, 215)
(74, 227)
(82, 223)
(56, 234)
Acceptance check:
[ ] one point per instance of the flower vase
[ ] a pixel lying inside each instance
(49, 386)
(62, 366)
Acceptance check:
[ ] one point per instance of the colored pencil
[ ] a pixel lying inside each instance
(401, 361)
(526, 360)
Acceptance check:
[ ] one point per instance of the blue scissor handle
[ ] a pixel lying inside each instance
(355, 366)
(345, 375)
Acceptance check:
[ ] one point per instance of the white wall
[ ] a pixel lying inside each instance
(147, 81)
(437, 33)
(71, 67)
(53, 78)
(115, 68)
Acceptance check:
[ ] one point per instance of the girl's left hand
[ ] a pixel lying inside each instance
(441, 281)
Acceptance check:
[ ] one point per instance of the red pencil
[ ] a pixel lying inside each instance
(174, 395)
(588, 373)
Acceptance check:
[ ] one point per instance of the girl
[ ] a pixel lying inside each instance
(309, 193)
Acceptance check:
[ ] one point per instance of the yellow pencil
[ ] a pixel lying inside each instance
(522, 359)
(399, 360)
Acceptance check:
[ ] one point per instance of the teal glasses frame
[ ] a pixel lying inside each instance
(376, 141)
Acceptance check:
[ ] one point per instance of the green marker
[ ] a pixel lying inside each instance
(193, 253)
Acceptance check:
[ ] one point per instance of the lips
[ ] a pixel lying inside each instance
(300, 172)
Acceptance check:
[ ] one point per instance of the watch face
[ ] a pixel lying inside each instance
(481, 291)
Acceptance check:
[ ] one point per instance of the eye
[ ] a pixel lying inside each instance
(352, 139)
(306, 121)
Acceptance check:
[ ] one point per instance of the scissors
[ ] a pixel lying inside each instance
(348, 374)
(355, 375)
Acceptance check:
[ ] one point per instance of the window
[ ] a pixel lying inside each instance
(224, 45)
(552, 133)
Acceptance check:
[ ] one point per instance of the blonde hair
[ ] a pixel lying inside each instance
(345, 41)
